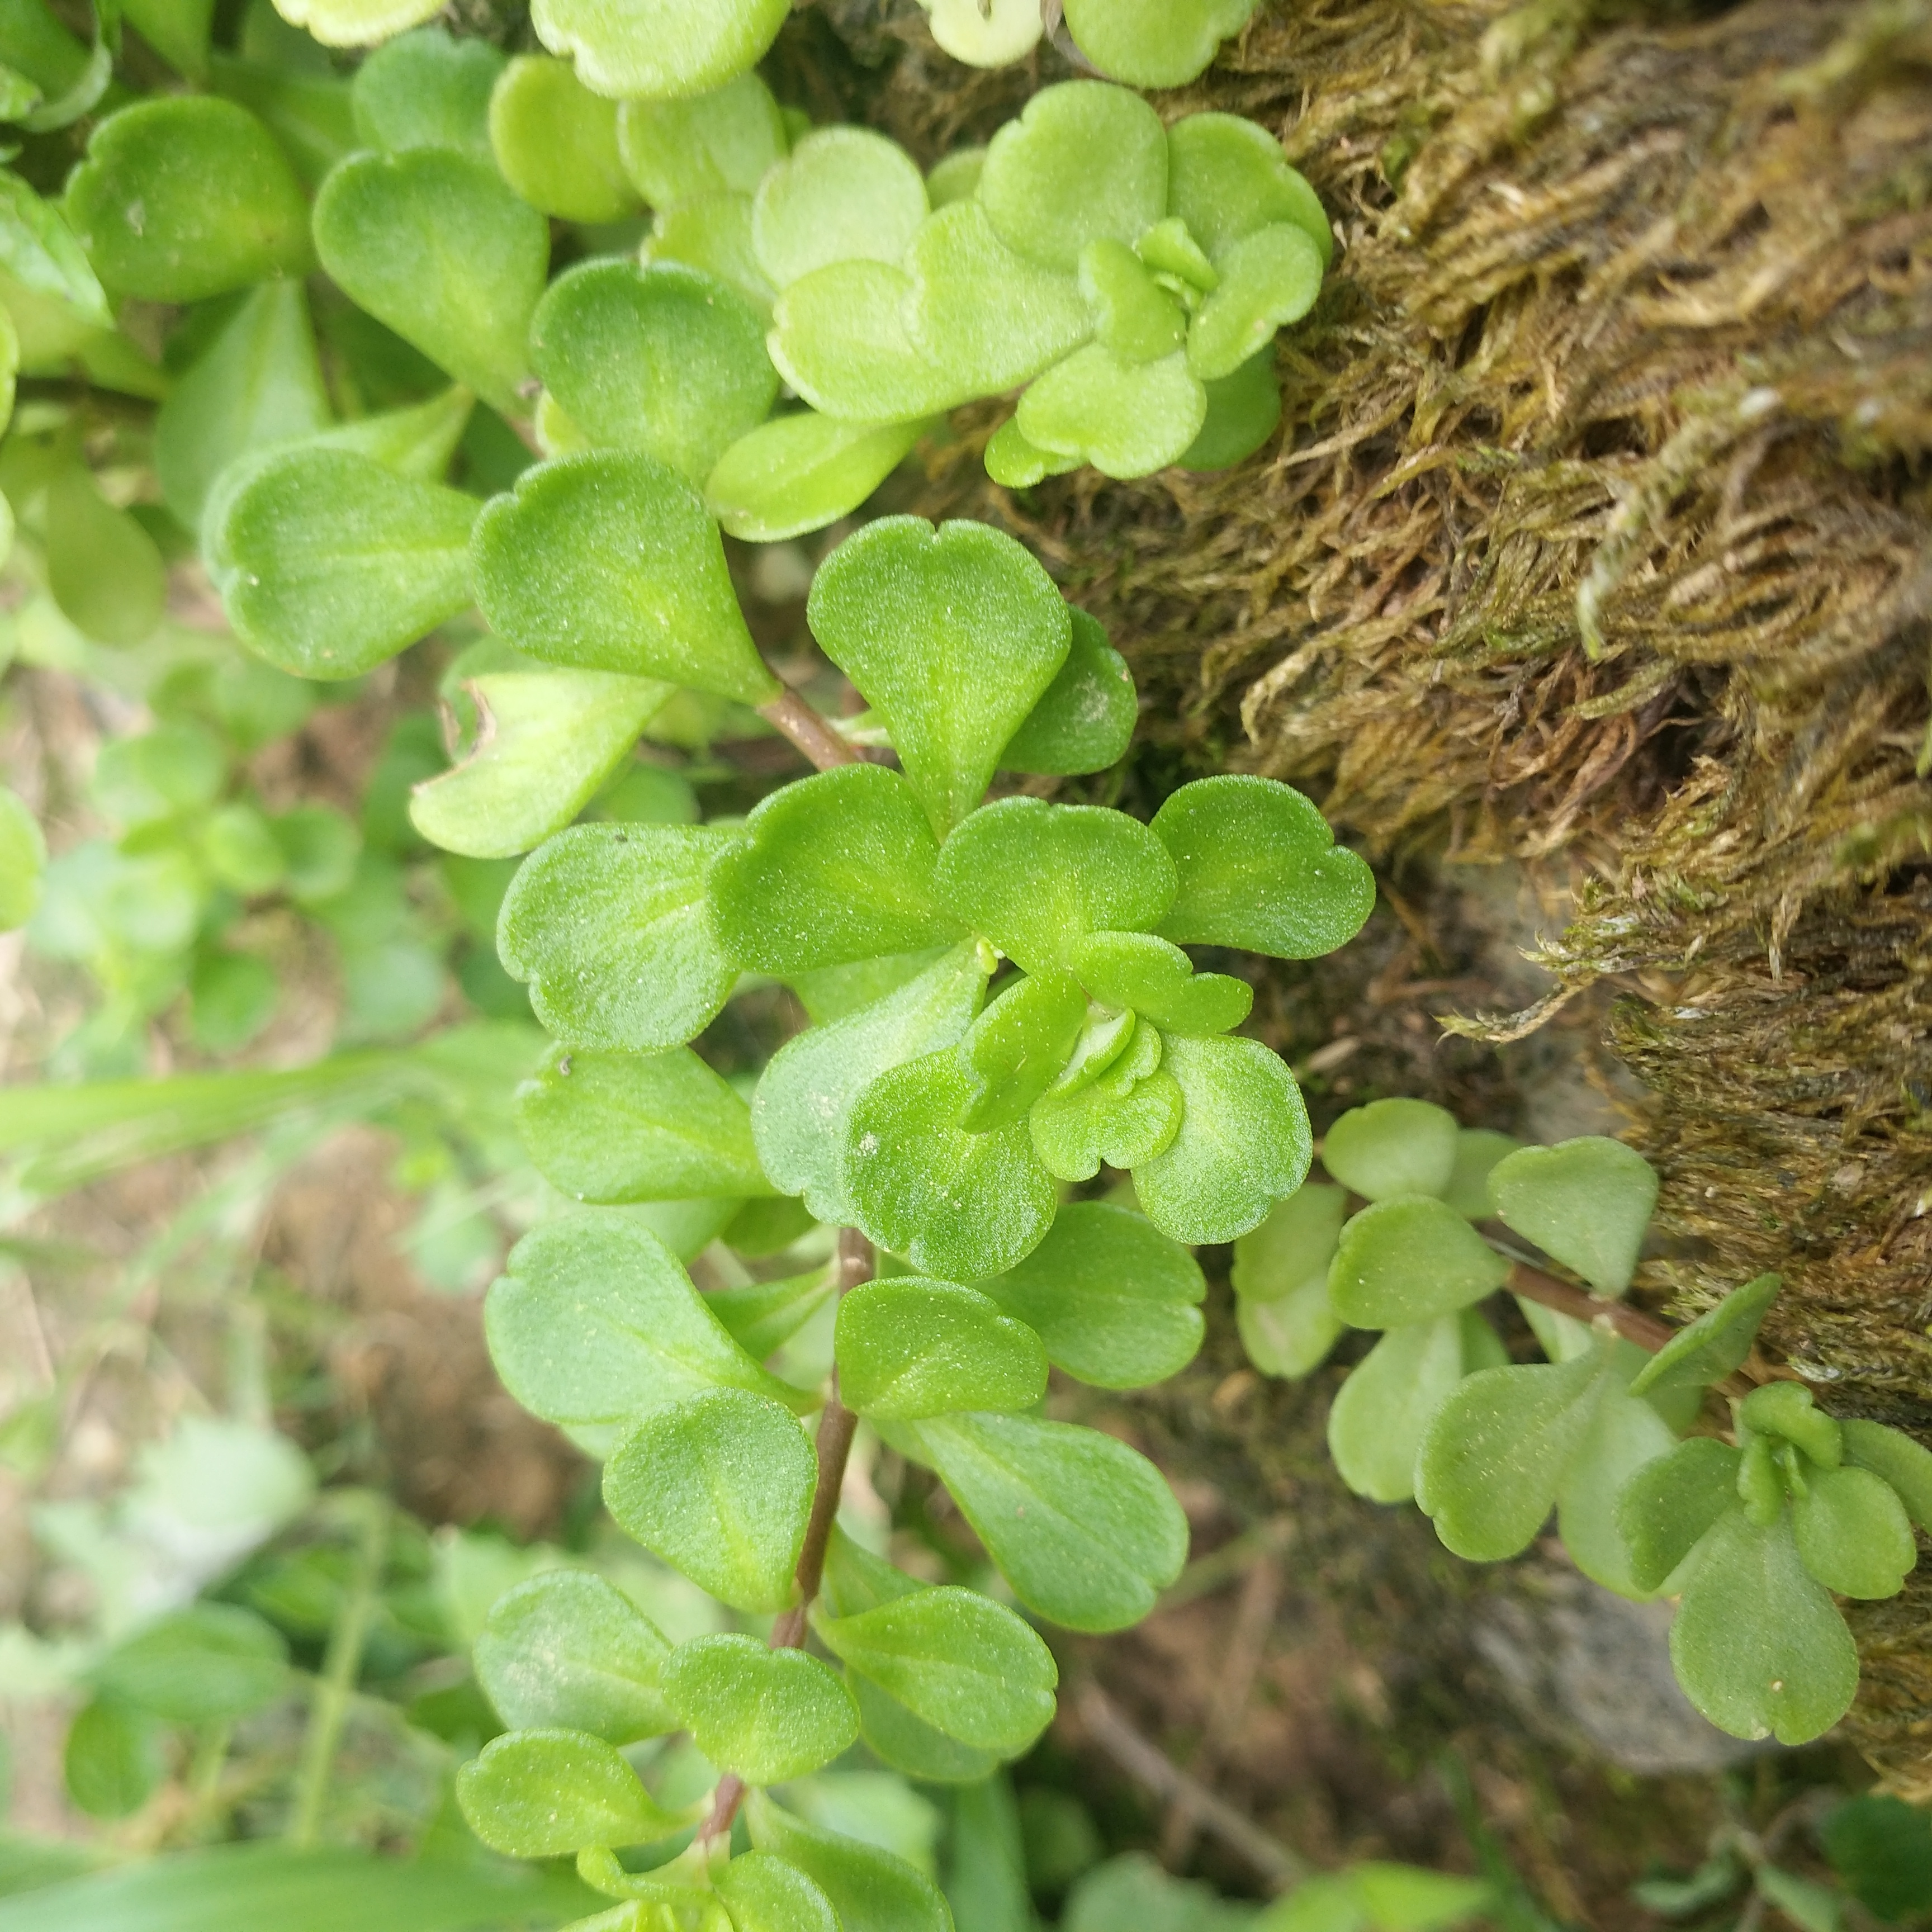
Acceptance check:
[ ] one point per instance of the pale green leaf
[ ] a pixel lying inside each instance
(1084, 720)
(1293, 1247)
(38, 251)
(1119, 1118)
(1139, 320)
(839, 337)
(1410, 1259)
(1154, 977)
(908, 1348)
(768, 1715)
(986, 33)
(1268, 279)
(1392, 1146)
(1155, 43)
(1127, 419)
(355, 23)
(798, 472)
(713, 233)
(763, 1315)
(1018, 1047)
(23, 860)
(556, 142)
(1478, 1149)
(428, 89)
(1376, 1423)
(659, 48)
(105, 571)
(207, 1662)
(908, 1744)
(842, 194)
(720, 142)
(764, 1893)
(1586, 1201)
(542, 1794)
(1625, 1435)
(870, 1890)
(1227, 177)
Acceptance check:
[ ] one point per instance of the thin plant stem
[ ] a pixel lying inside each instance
(789, 713)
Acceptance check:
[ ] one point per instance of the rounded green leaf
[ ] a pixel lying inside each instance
(1244, 411)
(428, 89)
(114, 1759)
(768, 1715)
(798, 472)
(958, 1205)
(1853, 1534)
(556, 142)
(763, 1315)
(666, 359)
(1586, 1201)
(1376, 1423)
(543, 1794)
(1139, 321)
(567, 1651)
(432, 243)
(355, 23)
(656, 48)
(1904, 1463)
(1018, 1047)
(608, 924)
(608, 561)
(843, 194)
(1268, 279)
(1084, 1529)
(1293, 1247)
(1228, 178)
(1714, 1345)
(870, 1890)
(328, 562)
(1085, 160)
(1259, 868)
(1122, 1119)
(953, 635)
(1668, 1505)
(1789, 1412)
(1158, 981)
(717, 143)
(185, 197)
(1125, 418)
(720, 1486)
(1625, 1436)
(1036, 878)
(39, 255)
(1153, 43)
(839, 338)
(1244, 1142)
(713, 233)
(907, 1349)
(908, 1744)
(210, 1662)
(1410, 1260)
(1758, 1645)
(23, 860)
(836, 868)
(986, 33)
(1084, 720)
(1392, 1146)
(105, 572)
(1291, 1335)
(764, 1893)
(1477, 1151)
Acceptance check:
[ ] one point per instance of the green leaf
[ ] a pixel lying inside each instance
(764, 1893)
(1244, 1142)
(1120, 1118)
(608, 924)
(1625, 1435)
(713, 233)
(428, 89)
(1140, 321)
(986, 33)
(38, 250)
(103, 568)
(594, 1323)
(556, 142)
(1376, 1423)
(1228, 178)
(1018, 1047)
(1881, 1849)
(259, 383)
(870, 1890)
(803, 1104)
(210, 1661)
(1157, 979)
(610, 1127)
(1392, 1146)
(1084, 1529)
(720, 1486)
(545, 1793)
(1291, 1335)
(1268, 279)
(1496, 1453)
(547, 742)
(1852, 1532)
(1586, 1201)
(797, 473)
(1478, 1149)
(720, 142)
(908, 1744)
(1127, 419)
(768, 1715)
(1036, 878)
(355, 23)
(957, 1660)
(1156, 43)
(1788, 1410)
(1292, 1248)
(1244, 411)
(956, 1204)
(763, 1315)
(1084, 720)
(843, 194)
(115, 1760)
(185, 197)
(908, 1348)
(1017, 464)
(1714, 1345)
(1757, 1645)
(839, 337)
(1904, 1463)
(661, 47)
(1810, 1906)
(952, 634)
(1259, 868)
(836, 868)
(1085, 160)
(328, 562)
(1408, 1260)
(608, 561)
(567, 1651)
(433, 244)
(23, 860)
(1667, 1506)
(982, 310)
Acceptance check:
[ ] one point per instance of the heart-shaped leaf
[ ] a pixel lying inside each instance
(955, 1205)
(608, 561)
(720, 1486)
(1083, 161)
(1243, 1145)
(547, 742)
(843, 194)
(1478, 1149)
(800, 1112)
(1377, 1421)
(428, 89)
(567, 1651)
(1260, 869)
(768, 1715)
(1228, 178)
(1268, 279)
(432, 243)
(1758, 1645)
(1904, 1463)
(666, 359)
(328, 563)
(594, 1324)
(1125, 418)
(1139, 320)
(1122, 1119)
(1244, 411)
(608, 924)
(1392, 1146)
(1018, 1047)
(638, 1126)
(907, 1349)
(659, 49)
(187, 196)
(1115, 1301)
(965, 1664)
(720, 143)
(870, 1890)
(1037, 878)
(764, 1893)
(836, 868)
(1853, 1534)
(1156, 43)
(1084, 1529)
(545, 1794)
(1667, 1506)
(556, 142)
(1085, 721)
(953, 635)
(1625, 1435)
(798, 472)
(1154, 977)
(1586, 1201)
(839, 338)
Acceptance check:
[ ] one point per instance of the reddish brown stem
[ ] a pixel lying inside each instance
(790, 714)
(1632, 1324)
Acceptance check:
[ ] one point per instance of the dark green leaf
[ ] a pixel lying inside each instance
(1852, 1532)
(103, 568)
(1668, 1505)
(114, 1760)
(543, 1794)
(1410, 1260)
(908, 1744)
(1881, 1848)
(1587, 1201)
(870, 1890)
(1121, 1117)
(1787, 1410)
(1904, 1463)
(908, 1348)
(1084, 720)
(1244, 411)
(38, 250)
(768, 1715)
